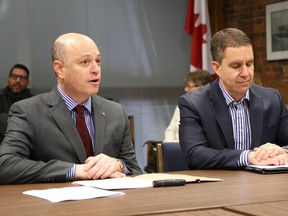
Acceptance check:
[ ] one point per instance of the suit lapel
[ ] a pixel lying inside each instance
(221, 112)
(100, 120)
(256, 120)
(63, 119)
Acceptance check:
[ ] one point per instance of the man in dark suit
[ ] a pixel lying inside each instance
(42, 143)
(231, 123)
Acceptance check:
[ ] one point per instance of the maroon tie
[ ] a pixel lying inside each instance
(82, 130)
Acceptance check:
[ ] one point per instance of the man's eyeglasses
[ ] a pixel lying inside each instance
(15, 77)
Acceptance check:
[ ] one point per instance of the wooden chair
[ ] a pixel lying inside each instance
(151, 166)
(132, 129)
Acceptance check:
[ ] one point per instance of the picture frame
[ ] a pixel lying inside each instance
(277, 31)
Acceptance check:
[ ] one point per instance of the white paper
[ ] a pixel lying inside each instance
(72, 193)
(117, 183)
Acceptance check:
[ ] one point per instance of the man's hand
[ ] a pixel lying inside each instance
(266, 151)
(279, 159)
(81, 173)
(103, 166)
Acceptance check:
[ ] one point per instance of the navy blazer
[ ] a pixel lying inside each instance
(206, 132)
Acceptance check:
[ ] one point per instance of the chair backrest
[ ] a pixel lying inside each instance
(151, 166)
(170, 157)
(132, 130)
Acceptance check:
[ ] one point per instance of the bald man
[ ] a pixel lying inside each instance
(42, 143)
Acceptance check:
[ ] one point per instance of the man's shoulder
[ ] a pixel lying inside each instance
(109, 107)
(202, 93)
(104, 102)
(33, 101)
(262, 90)
(2, 95)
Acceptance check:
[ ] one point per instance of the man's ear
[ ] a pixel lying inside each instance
(216, 66)
(58, 68)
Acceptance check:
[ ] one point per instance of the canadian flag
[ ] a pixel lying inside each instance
(198, 26)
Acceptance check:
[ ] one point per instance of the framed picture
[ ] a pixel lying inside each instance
(277, 31)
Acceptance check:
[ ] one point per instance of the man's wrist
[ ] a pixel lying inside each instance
(121, 166)
(71, 173)
(244, 158)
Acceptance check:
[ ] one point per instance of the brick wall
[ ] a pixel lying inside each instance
(249, 16)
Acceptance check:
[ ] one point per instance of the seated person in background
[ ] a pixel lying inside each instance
(230, 123)
(16, 90)
(257, 79)
(193, 81)
(42, 142)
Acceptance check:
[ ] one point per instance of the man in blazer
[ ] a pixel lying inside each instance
(230, 123)
(42, 143)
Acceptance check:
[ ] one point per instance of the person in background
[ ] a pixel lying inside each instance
(16, 90)
(70, 133)
(230, 124)
(257, 80)
(193, 81)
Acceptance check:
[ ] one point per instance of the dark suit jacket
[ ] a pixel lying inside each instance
(42, 142)
(206, 132)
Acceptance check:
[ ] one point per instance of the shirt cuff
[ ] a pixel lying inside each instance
(125, 170)
(71, 173)
(243, 160)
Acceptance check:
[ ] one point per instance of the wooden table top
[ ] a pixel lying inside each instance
(238, 188)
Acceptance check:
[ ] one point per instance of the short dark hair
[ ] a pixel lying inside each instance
(20, 66)
(198, 77)
(228, 37)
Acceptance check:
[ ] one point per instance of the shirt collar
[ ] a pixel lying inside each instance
(71, 104)
(229, 99)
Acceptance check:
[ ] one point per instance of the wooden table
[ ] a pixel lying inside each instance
(234, 196)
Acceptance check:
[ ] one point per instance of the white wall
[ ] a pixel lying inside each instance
(145, 51)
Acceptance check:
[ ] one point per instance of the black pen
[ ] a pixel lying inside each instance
(169, 182)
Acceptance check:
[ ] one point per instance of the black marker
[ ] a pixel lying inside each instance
(169, 182)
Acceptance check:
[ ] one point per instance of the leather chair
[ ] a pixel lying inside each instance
(170, 157)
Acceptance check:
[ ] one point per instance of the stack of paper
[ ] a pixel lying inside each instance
(117, 183)
(72, 193)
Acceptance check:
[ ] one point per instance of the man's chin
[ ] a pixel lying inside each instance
(94, 92)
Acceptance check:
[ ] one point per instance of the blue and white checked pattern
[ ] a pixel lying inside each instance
(239, 112)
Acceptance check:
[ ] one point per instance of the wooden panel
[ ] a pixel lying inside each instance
(216, 14)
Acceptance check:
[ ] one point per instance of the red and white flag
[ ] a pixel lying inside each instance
(198, 26)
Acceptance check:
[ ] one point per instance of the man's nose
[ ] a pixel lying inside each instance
(245, 71)
(96, 67)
